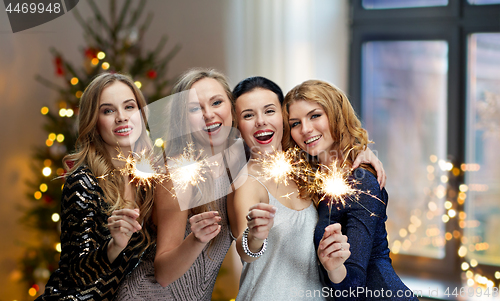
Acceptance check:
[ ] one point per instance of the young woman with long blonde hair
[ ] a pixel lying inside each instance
(105, 225)
(192, 226)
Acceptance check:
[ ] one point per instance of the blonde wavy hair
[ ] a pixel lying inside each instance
(176, 143)
(90, 151)
(345, 127)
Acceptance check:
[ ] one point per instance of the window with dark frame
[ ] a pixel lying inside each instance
(426, 83)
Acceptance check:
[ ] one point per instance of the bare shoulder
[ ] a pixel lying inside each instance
(251, 188)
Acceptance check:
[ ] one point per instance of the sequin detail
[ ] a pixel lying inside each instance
(84, 271)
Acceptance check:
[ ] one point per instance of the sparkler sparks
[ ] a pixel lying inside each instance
(334, 183)
(141, 168)
(279, 166)
(287, 196)
(188, 169)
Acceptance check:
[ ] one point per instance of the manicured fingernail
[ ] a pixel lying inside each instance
(271, 214)
(275, 209)
(216, 213)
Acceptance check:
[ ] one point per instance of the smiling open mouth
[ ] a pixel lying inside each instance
(264, 135)
(312, 139)
(213, 127)
(125, 130)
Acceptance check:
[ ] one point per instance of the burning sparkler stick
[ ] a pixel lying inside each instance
(335, 184)
(188, 169)
(140, 166)
(332, 182)
(280, 166)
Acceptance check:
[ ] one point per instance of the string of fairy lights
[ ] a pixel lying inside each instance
(452, 208)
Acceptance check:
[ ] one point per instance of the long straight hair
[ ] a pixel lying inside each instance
(176, 143)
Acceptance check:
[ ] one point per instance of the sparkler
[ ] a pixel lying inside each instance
(333, 182)
(279, 165)
(141, 168)
(188, 169)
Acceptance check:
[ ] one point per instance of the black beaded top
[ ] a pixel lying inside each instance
(85, 272)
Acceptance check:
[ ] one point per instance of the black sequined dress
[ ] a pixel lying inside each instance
(85, 272)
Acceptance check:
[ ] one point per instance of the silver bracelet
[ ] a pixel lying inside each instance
(246, 249)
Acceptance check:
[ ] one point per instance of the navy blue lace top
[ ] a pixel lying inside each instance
(370, 275)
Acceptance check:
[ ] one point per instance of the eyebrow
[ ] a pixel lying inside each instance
(309, 113)
(211, 98)
(265, 107)
(247, 110)
(124, 102)
(215, 96)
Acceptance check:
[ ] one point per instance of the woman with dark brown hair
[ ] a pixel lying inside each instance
(272, 222)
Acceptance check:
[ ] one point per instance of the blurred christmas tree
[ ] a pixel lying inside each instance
(114, 44)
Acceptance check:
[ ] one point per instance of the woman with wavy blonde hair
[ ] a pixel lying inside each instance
(321, 121)
(345, 128)
(193, 234)
(105, 219)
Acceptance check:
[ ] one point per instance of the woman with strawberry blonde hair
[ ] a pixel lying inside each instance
(321, 121)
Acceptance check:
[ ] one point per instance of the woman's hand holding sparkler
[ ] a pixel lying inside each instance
(368, 157)
(260, 220)
(121, 224)
(333, 251)
(205, 226)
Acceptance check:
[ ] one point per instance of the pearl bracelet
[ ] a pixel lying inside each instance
(246, 249)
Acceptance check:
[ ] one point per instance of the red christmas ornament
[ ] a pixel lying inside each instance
(91, 53)
(59, 65)
(152, 74)
(47, 200)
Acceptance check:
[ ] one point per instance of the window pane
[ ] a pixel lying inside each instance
(481, 2)
(404, 110)
(483, 144)
(381, 4)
